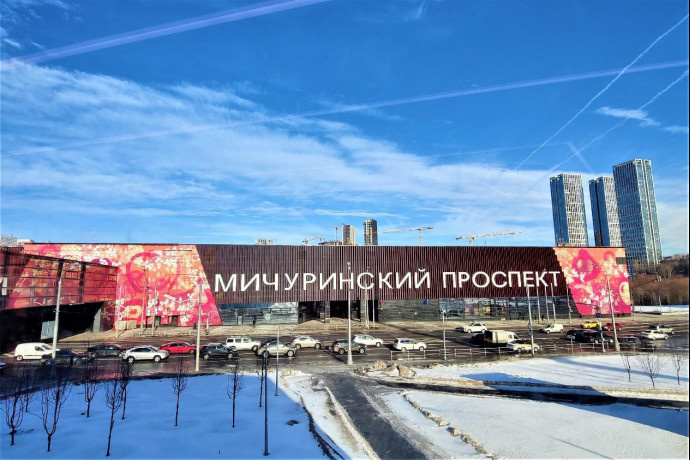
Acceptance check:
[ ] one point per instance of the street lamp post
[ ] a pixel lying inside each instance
(443, 318)
(198, 327)
(277, 357)
(265, 404)
(349, 324)
(616, 345)
(57, 312)
(529, 325)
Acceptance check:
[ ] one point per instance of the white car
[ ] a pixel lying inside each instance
(555, 327)
(663, 328)
(145, 353)
(368, 340)
(405, 344)
(305, 341)
(32, 350)
(242, 343)
(518, 346)
(474, 327)
(653, 335)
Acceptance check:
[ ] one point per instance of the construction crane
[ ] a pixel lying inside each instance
(311, 238)
(419, 229)
(336, 232)
(470, 238)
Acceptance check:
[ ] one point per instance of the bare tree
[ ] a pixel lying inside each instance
(677, 358)
(179, 383)
(114, 396)
(261, 372)
(90, 383)
(53, 397)
(650, 365)
(124, 379)
(16, 391)
(234, 386)
(29, 374)
(626, 363)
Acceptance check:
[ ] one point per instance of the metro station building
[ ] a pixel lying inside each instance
(164, 284)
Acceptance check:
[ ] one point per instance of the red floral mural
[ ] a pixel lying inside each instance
(154, 281)
(587, 271)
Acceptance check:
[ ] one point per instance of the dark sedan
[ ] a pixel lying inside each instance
(67, 358)
(105, 350)
(217, 351)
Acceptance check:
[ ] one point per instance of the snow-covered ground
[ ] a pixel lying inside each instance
(661, 308)
(510, 428)
(487, 426)
(148, 431)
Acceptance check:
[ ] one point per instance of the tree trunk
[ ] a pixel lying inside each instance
(50, 436)
(233, 411)
(110, 432)
(177, 408)
(124, 403)
(12, 436)
(88, 409)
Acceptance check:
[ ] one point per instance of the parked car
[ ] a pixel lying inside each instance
(518, 346)
(242, 343)
(305, 341)
(554, 327)
(572, 333)
(275, 348)
(662, 328)
(145, 353)
(609, 327)
(405, 344)
(176, 348)
(67, 358)
(629, 342)
(105, 350)
(217, 351)
(368, 340)
(591, 325)
(472, 327)
(478, 339)
(32, 350)
(593, 337)
(340, 347)
(653, 335)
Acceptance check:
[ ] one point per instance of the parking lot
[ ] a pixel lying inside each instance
(458, 344)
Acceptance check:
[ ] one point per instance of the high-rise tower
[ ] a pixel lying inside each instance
(602, 194)
(371, 233)
(349, 238)
(637, 211)
(568, 207)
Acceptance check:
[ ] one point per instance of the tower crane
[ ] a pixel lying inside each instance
(311, 238)
(419, 229)
(336, 227)
(470, 238)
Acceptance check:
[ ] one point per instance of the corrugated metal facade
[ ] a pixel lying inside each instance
(245, 262)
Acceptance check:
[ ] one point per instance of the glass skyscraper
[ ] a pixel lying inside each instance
(568, 207)
(637, 211)
(602, 194)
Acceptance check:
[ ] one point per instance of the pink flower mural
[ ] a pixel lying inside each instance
(586, 271)
(154, 281)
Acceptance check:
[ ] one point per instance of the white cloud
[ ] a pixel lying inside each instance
(676, 129)
(197, 154)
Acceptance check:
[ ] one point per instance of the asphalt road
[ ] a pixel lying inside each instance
(459, 349)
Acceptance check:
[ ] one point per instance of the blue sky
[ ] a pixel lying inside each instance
(223, 122)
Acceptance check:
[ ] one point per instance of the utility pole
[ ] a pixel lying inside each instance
(57, 311)
(616, 345)
(277, 356)
(265, 370)
(198, 325)
(349, 323)
(529, 325)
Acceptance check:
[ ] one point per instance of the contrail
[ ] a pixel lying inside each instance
(591, 101)
(158, 31)
(361, 107)
(579, 151)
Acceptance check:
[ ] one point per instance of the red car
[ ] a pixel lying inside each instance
(609, 327)
(179, 348)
